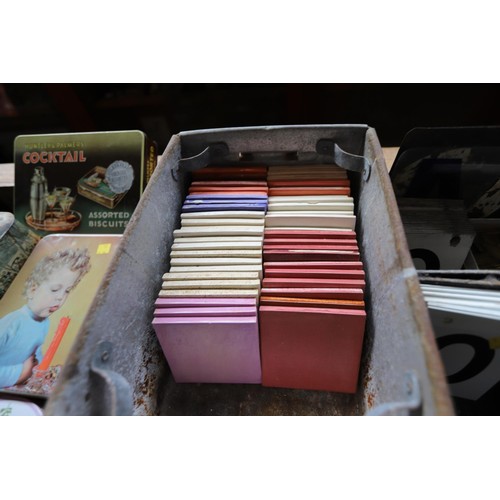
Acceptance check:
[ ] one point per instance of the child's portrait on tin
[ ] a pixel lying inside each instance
(23, 332)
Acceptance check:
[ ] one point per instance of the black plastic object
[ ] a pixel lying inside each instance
(453, 163)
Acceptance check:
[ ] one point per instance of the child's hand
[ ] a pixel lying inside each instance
(28, 366)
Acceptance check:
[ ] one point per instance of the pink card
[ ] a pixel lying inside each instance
(204, 302)
(211, 349)
(205, 311)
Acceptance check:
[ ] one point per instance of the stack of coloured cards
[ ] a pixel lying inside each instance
(222, 228)
(213, 340)
(310, 197)
(312, 311)
(206, 316)
(466, 323)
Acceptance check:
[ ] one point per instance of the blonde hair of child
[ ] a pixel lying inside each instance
(76, 259)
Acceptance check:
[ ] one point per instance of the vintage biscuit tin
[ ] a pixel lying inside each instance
(81, 182)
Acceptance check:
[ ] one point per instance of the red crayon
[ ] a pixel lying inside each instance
(58, 336)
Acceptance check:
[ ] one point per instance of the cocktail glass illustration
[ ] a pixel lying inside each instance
(51, 200)
(66, 204)
(61, 193)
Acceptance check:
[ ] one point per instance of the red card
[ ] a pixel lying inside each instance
(304, 246)
(305, 191)
(310, 241)
(231, 172)
(233, 183)
(309, 183)
(308, 255)
(307, 348)
(313, 265)
(328, 234)
(315, 293)
(231, 190)
(312, 283)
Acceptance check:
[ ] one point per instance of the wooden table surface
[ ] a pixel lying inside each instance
(6, 174)
(390, 155)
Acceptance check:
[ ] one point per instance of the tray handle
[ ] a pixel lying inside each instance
(111, 393)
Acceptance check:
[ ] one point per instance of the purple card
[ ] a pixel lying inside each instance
(204, 321)
(204, 302)
(249, 196)
(217, 201)
(224, 207)
(211, 349)
(205, 311)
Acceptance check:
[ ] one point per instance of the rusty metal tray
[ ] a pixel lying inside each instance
(117, 366)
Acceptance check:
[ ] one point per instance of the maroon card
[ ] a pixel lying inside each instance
(313, 265)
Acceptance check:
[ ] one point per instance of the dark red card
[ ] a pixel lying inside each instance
(313, 265)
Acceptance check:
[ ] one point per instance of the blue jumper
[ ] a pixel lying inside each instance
(21, 335)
